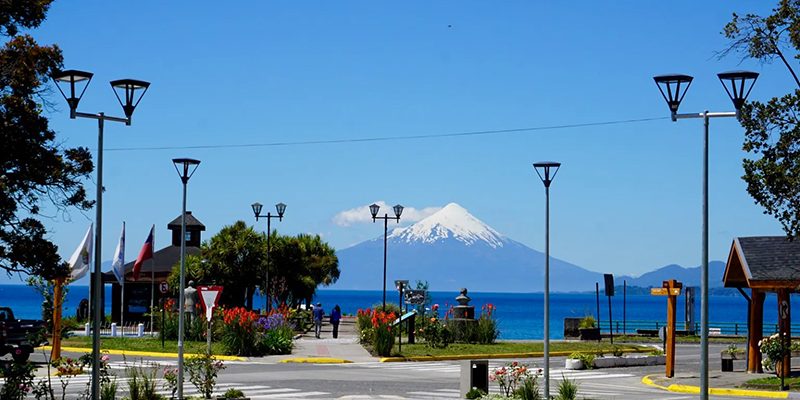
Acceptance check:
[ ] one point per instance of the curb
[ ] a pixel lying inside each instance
(535, 354)
(142, 353)
(688, 389)
(315, 360)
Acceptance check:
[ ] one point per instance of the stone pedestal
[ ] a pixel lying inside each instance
(463, 310)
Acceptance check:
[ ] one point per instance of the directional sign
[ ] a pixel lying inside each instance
(209, 295)
(665, 292)
(163, 287)
(415, 297)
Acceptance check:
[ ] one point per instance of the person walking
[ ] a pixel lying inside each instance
(336, 315)
(319, 313)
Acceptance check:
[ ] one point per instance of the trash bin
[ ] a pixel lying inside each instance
(474, 375)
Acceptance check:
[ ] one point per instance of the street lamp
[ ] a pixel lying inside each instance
(131, 88)
(373, 209)
(280, 208)
(738, 85)
(185, 168)
(546, 170)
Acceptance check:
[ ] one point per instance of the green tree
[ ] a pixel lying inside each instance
(34, 169)
(235, 258)
(772, 136)
(299, 265)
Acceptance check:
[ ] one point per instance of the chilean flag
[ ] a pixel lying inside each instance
(145, 254)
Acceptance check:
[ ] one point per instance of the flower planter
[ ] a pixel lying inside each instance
(617, 362)
(590, 333)
(573, 363)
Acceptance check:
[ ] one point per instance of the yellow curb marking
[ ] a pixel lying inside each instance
(316, 360)
(716, 391)
(142, 353)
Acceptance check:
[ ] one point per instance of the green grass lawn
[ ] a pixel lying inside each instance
(142, 344)
(773, 383)
(412, 350)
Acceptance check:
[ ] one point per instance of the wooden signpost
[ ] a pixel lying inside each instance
(671, 289)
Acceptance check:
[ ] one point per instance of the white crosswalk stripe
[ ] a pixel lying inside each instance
(77, 386)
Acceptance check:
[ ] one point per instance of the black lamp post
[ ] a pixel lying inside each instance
(131, 88)
(280, 208)
(547, 170)
(185, 168)
(673, 88)
(373, 209)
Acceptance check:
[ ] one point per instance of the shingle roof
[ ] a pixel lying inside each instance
(163, 261)
(771, 257)
(191, 222)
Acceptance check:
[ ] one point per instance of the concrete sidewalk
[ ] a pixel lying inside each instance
(345, 348)
(719, 383)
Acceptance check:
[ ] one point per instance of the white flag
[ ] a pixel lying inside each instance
(80, 261)
(118, 264)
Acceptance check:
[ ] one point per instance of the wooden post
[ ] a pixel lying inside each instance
(55, 354)
(784, 324)
(756, 329)
(671, 289)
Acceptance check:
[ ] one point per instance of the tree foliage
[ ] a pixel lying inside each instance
(34, 169)
(772, 135)
(236, 258)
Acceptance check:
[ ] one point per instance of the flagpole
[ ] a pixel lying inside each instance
(152, 278)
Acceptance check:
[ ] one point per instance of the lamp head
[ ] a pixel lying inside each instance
(72, 78)
(673, 87)
(398, 209)
(547, 171)
(257, 209)
(185, 167)
(373, 209)
(130, 89)
(740, 83)
(280, 208)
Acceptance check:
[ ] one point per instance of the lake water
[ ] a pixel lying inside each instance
(520, 315)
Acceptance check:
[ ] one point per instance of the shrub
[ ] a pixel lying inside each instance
(203, 370)
(108, 390)
(364, 325)
(587, 322)
(475, 393)
(529, 389)
(142, 383)
(462, 331)
(233, 394)
(239, 334)
(567, 389)
(487, 330)
(277, 341)
(509, 376)
(774, 348)
(587, 358)
(617, 351)
(18, 380)
(382, 332)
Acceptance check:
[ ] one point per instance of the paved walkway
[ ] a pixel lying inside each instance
(345, 348)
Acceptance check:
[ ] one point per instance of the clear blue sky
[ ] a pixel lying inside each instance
(628, 198)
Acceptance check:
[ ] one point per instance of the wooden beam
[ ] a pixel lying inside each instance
(756, 328)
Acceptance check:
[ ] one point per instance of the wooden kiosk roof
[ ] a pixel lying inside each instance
(763, 262)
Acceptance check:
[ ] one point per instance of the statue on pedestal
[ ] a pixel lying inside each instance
(189, 300)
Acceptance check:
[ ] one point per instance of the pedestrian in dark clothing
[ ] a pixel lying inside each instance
(319, 313)
(336, 315)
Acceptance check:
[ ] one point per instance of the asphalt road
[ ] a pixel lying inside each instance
(417, 380)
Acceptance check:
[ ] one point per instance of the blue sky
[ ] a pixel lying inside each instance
(628, 197)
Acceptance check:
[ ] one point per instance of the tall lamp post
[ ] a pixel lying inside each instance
(673, 88)
(373, 209)
(546, 170)
(185, 168)
(133, 91)
(280, 208)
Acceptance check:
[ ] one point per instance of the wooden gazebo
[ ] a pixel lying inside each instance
(764, 264)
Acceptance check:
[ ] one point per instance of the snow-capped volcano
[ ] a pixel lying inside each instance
(452, 221)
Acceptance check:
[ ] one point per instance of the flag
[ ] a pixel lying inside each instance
(79, 262)
(145, 254)
(118, 264)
